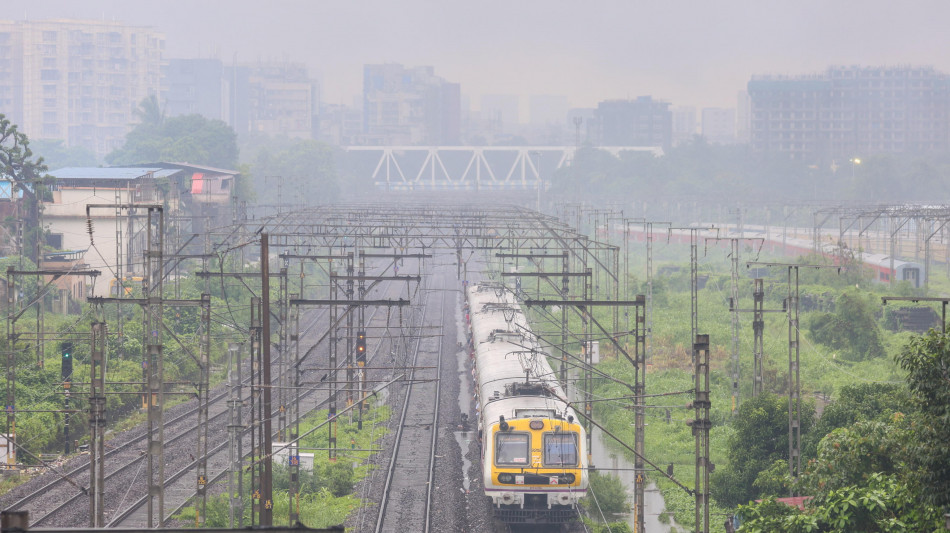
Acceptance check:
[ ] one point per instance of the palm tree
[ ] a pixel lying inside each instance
(149, 112)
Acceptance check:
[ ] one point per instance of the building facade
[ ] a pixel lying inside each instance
(75, 80)
(849, 112)
(409, 106)
(684, 124)
(195, 197)
(719, 125)
(197, 86)
(640, 122)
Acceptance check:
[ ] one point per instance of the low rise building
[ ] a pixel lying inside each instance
(195, 198)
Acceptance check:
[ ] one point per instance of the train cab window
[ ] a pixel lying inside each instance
(560, 449)
(511, 448)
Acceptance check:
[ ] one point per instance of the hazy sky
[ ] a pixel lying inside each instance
(696, 52)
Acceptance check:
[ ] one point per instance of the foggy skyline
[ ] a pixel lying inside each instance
(688, 53)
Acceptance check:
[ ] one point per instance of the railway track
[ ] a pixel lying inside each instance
(126, 461)
(406, 499)
(182, 486)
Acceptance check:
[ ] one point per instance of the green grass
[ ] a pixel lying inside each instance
(670, 369)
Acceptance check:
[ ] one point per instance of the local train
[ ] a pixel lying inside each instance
(534, 451)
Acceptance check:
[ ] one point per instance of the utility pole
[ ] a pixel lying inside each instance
(701, 425)
(639, 392)
(204, 363)
(693, 275)
(758, 327)
(235, 428)
(97, 425)
(734, 307)
(256, 412)
(293, 467)
(267, 490)
(794, 375)
(155, 376)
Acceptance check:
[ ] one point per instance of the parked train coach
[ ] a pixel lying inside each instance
(534, 456)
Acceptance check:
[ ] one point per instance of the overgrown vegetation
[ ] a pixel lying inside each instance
(325, 494)
(847, 357)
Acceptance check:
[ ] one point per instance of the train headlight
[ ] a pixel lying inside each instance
(536, 424)
(506, 478)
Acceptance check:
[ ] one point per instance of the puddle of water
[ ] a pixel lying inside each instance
(461, 359)
(464, 439)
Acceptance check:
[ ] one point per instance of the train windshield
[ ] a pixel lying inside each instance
(560, 449)
(511, 448)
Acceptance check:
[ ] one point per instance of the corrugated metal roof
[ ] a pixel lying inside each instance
(193, 168)
(111, 173)
(212, 170)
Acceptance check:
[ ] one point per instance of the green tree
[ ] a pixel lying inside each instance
(190, 138)
(304, 171)
(852, 329)
(926, 358)
(848, 456)
(150, 113)
(774, 481)
(880, 504)
(856, 403)
(29, 177)
(759, 439)
(57, 155)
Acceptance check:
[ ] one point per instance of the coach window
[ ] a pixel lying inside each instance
(560, 449)
(511, 448)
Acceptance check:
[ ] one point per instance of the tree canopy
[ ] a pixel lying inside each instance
(189, 138)
(304, 170)
(888, 470)
(852, 329)
(760, 439)
(57, 155)
(29, 177)
(700, 170)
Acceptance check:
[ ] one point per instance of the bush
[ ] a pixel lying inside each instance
(851, 330)
(340, 479)
(609, 496)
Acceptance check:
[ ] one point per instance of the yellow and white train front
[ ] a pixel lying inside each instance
(532, 464)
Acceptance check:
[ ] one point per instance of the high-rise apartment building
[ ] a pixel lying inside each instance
(77, 80)
(409, 106)
(640, 122)
(719, 125)
(197, 86)
(271, 98)
(276, 99)
(743, 116)
(850, 112)
(684, 124)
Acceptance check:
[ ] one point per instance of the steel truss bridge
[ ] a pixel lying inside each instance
(469, 168)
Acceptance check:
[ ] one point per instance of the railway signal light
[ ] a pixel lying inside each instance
(360, 347)
(66, 369)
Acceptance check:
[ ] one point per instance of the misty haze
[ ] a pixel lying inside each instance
(484, 267)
